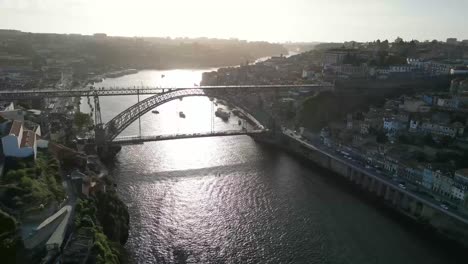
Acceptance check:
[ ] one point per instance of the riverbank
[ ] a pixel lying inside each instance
(100, 220)
(437, 224)
(117, 73)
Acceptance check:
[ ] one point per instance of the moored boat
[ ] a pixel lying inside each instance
(222, 114)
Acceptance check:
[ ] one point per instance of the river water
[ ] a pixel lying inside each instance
(232, 200)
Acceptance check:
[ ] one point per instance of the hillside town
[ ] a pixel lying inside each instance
(50, 191)
(420, 141)
(373, 61)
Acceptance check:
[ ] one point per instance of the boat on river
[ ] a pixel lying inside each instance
(221, 113)
(155, 111)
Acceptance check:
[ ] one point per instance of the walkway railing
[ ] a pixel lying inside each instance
(118, 91)
(125, 140)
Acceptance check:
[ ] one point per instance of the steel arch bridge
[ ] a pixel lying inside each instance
(106, 133)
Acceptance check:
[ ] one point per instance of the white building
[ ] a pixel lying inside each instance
(393, 125)
(413, 125)
(443, 130)
(443, 184)
(432, 68)
(439, 68)
(19, 142)
(6, 106)
(365, 127)
(452, 103)
(415, 106)
(462, 176)
(401, 68)
(452, 41)
(458, 71)
(391, 166)
(336, 56)
(459, 191)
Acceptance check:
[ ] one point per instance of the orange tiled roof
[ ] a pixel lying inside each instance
(16, 128)
(28, 139)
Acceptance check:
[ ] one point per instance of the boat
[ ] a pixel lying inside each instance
(155, 112)
(222, 114)
(181, 114)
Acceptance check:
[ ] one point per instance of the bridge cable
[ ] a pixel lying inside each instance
(139, 116)
(212, 117)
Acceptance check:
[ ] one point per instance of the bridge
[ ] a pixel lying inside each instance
(141, 90)
(106, 133)
(129, 140)
(255, 102)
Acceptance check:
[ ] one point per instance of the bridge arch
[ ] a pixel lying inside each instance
(124, 119)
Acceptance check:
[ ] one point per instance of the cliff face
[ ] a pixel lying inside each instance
(113, 215)
(316, 112)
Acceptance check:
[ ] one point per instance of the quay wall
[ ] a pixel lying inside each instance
(394, 197)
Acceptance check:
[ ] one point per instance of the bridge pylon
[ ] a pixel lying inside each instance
(100, 135)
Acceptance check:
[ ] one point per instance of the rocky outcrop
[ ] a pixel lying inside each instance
(113, 215)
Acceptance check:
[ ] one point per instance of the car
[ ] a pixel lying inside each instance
(401, 185)
(445, 207)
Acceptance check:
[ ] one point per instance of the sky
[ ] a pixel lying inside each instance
(270, 20)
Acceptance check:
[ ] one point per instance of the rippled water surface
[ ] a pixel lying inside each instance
(232, 200)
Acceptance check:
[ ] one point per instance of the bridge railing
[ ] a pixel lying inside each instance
(134, 138)
(116, 91)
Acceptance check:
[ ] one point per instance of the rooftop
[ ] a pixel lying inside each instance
(462, 172)
(16, 128)
(4, 105)
(29, 138)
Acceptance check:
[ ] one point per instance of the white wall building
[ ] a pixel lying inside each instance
(19, 143)
(393, 125)
(413, 125)
(6, 106)
(443, 130)
(459, 191)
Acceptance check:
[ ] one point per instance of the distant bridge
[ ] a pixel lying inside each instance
(141, 90)
(128, 140)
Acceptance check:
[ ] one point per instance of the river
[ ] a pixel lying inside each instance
(232, 200)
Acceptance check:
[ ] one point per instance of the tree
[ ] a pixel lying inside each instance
(7, 223)
(428, 140)
(83, 120)
(381, 137)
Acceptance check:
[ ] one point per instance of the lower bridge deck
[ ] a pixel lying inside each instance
(129, 140)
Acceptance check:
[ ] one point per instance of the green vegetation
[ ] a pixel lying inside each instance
(8, 238)
(7, 223)
(33, 183)
(83, 121)
(104, 249)
(316, 112)
(381, 137)
(445, 151)
(113, 215)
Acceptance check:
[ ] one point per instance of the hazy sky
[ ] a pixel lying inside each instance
(272, 20)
